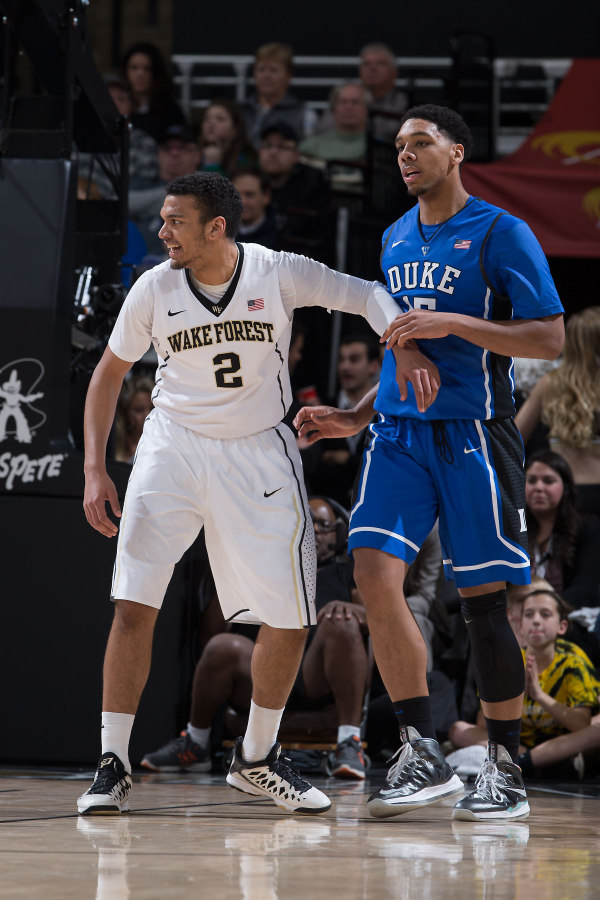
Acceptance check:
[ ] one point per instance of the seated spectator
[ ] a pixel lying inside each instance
(154, 108)
(358, 370)
(564, 546)
(273, 102)
(378, 71)
(143, 150)
(567, 401)
(300, 194)
(133, 407)
(224, 143)
(335, 665)
(346, 140)
(257, 223)
(561, 689)
(178, 154)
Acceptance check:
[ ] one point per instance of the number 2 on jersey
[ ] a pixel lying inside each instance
(222, 375)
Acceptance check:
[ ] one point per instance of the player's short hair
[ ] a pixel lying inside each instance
(215, 196)
(447, 120)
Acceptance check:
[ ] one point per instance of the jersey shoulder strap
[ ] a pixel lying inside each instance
(484, 274)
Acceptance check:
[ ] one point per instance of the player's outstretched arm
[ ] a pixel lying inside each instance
(100, 405)
(315, 422)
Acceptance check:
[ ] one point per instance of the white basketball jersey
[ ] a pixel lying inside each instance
(223, 364)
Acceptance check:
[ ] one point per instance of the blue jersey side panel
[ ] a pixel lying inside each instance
(443, 274)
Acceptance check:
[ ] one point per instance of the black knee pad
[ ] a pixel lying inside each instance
(497, 658)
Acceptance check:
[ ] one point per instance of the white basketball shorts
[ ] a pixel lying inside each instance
(249, 495)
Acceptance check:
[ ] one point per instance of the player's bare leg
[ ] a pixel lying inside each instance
(275, 664)
(419, 775)
(128, 656)
(398, 646)
(126, 669)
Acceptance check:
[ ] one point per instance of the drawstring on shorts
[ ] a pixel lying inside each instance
(440, 439)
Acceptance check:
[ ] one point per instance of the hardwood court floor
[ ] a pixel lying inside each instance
(191, 836)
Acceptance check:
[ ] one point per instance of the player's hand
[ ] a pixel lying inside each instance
(315, 422)
(417, 323)
(338, 610)
(100, 489)
(423, 374)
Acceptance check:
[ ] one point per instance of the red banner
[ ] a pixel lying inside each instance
(553, 180)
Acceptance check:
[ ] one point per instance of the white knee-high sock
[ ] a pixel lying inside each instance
(116, 732)
(261, 733)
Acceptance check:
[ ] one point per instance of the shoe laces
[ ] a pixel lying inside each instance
(106, 777)
(489, 781)
(284, 769)
(406, 756)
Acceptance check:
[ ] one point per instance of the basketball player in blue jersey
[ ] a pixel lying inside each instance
(214, 454)
(474, 289)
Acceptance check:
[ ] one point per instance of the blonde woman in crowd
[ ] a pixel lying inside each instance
(567, 401)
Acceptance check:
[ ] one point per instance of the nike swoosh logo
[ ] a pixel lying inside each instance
(395, 244)
(270, 493)
(472, 449)
(176, 313)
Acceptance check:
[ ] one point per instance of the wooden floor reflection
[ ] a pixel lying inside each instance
(193, 837)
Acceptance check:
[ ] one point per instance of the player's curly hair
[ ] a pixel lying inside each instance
(447, 120)
(215, 196)
(571, 404)
(568, 518)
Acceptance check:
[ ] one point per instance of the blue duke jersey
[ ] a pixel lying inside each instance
(438, 268)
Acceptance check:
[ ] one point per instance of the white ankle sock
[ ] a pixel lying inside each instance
(261, 733)
(200, 736)
(115, 734)
(346, 731)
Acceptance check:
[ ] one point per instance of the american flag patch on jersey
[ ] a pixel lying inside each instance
(254, 305)
(462, 245)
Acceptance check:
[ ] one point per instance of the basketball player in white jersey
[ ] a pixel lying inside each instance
(214, 454)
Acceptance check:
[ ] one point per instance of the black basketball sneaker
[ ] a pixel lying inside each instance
(499, 791)
(419, 776)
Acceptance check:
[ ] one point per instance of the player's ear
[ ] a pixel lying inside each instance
(216, 227)
(458, 153)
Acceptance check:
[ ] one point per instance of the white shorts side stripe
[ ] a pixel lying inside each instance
(391, 534)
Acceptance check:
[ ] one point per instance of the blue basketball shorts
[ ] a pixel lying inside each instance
(467, 472)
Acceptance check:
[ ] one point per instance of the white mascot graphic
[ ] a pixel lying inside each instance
(10, 393)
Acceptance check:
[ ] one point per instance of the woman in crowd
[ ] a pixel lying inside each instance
(567, 401)
(154, 109)
(564, 546)
(223, 138)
